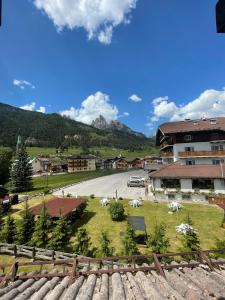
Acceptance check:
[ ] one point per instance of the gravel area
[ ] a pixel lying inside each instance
(107, 186)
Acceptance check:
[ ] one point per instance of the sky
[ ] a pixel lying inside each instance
(142, 62)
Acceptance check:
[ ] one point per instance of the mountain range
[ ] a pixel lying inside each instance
(53, 130)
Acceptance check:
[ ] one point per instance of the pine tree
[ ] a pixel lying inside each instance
(190, 240)
(60, 235)
(157, 241)
(105, 249)
(21, 171)
(188, 220)
(8, 230)
(25, 226)
(129, 244)
(82, 242)
(41, 229)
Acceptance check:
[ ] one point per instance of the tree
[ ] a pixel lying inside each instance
(25, 226)
(8, 230)
(21, 171)
(41, 229)
(105, 249)
(129, 244)
(82, 242)
(5, 163)
(157, 241)
(60, 235)
(116, 211)
(190, 240)
(1, 214)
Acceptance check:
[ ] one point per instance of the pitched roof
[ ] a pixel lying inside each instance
(57, 206)
(193, 125)
(180, 283)
(176, 170)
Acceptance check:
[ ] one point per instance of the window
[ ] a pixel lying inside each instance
(213, 122)
(171, 196)
(189, 149)
(203, 184)
(190, 162)
(216, 147)
(170, 183)
(188, 137)
(216, 161)
(186, 197)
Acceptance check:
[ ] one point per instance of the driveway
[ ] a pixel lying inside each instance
(107, 186)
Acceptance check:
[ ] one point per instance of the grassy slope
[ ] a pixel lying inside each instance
(105, 151)
(207, 220)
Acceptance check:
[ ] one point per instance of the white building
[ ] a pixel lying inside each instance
(192, 142)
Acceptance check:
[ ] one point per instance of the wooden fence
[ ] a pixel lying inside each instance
(34, 252)
(74, 267)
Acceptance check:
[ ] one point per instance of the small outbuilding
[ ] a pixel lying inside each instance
(66, 207)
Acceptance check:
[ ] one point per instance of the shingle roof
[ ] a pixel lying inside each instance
(181, 283)
(193, 125)
(58, 205)
(176, 170)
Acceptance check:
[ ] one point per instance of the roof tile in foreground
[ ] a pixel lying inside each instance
(176, 170)
(179, 283)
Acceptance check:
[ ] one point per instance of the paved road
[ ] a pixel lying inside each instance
(106, 186)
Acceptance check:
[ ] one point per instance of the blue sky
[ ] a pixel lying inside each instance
(91, 60)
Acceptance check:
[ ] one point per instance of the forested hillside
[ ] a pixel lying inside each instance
(53, 130)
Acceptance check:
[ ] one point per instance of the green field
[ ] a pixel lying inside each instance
(43, 183)
(104, 151)
(207, 220)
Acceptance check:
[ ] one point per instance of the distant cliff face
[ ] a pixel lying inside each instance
(102, 124)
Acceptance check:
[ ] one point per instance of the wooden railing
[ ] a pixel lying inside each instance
(202, 153)
(83, 266)
(167, 154)
(33, 252)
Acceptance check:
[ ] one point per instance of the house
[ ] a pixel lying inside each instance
(40, 164)
(108, 163)
(58, 164)
(81, 163)
(188, 182)
(134, 163)
(152, 163)
(193, 141)
(120, 163)
(57, 207)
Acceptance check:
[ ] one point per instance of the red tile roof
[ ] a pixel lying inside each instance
(59, 205)
(193, 125)
(176, 170)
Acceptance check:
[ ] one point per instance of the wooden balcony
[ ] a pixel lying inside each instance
(212, 153)
(167, 154)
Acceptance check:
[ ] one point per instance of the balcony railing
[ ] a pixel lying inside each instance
(167, 154)
(212, 153)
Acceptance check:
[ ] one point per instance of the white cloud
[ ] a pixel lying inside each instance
(23, 83)
(32, 107)
(97, 17)
(126, 114)
(135, 98)
(91, 108)
(210, 103)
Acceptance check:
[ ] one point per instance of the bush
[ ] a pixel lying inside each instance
(116, 211)
(120, 198)
(92, 196)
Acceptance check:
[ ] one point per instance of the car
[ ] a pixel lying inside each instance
(136, 181)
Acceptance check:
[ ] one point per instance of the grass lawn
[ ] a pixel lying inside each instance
(207, 221)
(105, 151)
(56, 181)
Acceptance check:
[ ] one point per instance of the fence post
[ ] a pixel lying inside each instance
(158, 265)
(15, 250)
(33, 253)
(53, 255)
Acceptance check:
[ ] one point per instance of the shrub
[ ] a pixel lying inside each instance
(120, 198)
(116, 211)
(92, 196)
